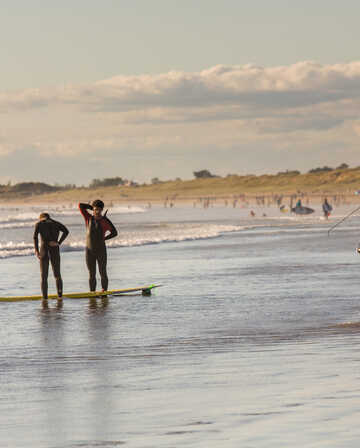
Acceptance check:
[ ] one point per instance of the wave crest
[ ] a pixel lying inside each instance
(129, 239)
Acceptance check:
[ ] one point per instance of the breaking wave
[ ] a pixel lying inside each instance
(130, 239)
(28, 218)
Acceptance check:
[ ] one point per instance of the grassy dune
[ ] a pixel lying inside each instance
(333, 182)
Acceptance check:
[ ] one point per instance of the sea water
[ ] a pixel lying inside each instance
(252, 341)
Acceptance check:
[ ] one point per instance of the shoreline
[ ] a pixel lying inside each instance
(338, 185)
(204, 201)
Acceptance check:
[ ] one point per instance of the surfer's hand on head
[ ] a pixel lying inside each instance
(53, 243)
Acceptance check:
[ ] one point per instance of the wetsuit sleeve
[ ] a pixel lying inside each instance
(111, 228)
(36, 238)
(65, 232)
(84, 211)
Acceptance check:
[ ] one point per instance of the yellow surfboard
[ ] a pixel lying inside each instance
(145, 290)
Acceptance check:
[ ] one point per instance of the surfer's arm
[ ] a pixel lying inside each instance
(111, 228)
(84, 211)
(65, 233)
(36, 240)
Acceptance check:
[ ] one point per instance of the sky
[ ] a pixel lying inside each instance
(162, 88)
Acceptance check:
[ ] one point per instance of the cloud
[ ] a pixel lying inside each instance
(230, 109)
(297, 85)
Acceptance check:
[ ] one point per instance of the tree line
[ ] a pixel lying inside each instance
(42, 187)
(205, 174)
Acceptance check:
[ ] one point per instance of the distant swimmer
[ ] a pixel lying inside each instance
(99, 228)
(299, 209)
(327, 208)
(49, 231)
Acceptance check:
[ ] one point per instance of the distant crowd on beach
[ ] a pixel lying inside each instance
(246, 201)
(242, 200)
(284, 202)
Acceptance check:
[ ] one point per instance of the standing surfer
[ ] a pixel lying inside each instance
(327, 208)
(49, 231)
(97, 228)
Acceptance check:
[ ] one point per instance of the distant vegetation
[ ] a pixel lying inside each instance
(108, 182)
(112, 182)
(343, 166)
(33, 187)
(28, 188)
(288, 173)
(324, 169)
(23, 189)
(203, 174)
(155, 181)
(325, 179)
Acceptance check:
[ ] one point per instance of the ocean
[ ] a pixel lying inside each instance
(252, 340)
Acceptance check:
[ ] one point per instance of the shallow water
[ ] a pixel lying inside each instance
(252, 340)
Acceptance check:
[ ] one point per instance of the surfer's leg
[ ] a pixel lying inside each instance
(44, 270)
(102, 261)
(55, 264)
(91, 265)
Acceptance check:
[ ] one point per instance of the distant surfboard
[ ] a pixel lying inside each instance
(301, 210)
(145, 290)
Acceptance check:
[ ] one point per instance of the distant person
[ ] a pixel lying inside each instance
(327, 208)
(252, 213)
(99, 228)
(298, 204)
(49, 231)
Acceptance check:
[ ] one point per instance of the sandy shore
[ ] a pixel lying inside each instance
(66, 200)
(339, 186)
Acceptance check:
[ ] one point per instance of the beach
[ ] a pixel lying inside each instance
(341, 185)
(204, 157)
(250, 341)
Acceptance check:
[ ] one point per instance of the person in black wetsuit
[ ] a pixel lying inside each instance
(49, 231)
(99, 228)
(327, 209)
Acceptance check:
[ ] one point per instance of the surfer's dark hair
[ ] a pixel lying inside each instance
(98, 203)
(44, 216)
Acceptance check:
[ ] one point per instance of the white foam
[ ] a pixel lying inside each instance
(15, 249)
(128, 239)
(20, 217)
(29, 218)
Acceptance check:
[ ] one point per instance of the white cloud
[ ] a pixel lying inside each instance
(233, 108)
(304, 83)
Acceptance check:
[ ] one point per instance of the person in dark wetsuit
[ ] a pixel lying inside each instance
(49, 231)
(327, 209)
(98, 227)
